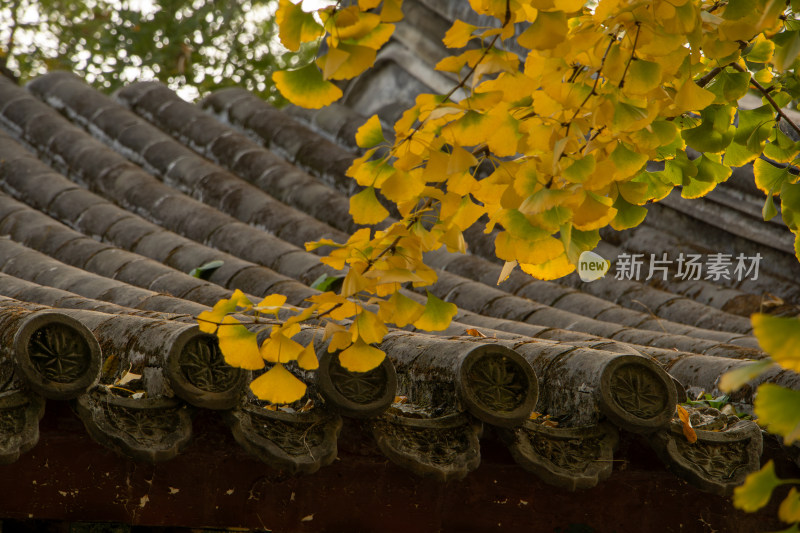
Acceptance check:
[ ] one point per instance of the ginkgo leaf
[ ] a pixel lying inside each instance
(354, 283)
(305, 87)
(459, 34)
(508, 267)
(271, 304)
(400, 310)
(686, 425)
(392, 11)
(715, 131)
(375, 39)
(279, 348)
(349, 23)
(366, 209)
(789, 510)
(307, 360)
(692, 97)
(782, 148)
(547, 31)
(579, 170)
(776, 408)
(643, 77)
(368, 327)
(350, 60)
(757, 489)
(370, 134)
(368, 4)
(780, 338)
(790, 205)
(295, 26)
(594, 212)
(553, 269)
(760, 50)
(627, 162)
(330, 62)
(278, 385)
(361, 357)
(786, 52)
(735, 379)
(437, 314)
(239, 345)
(628, 215)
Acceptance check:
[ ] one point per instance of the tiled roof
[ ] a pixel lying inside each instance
(106, 203)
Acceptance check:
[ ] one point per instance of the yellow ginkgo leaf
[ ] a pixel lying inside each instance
(366, 209)
(437, 314)
(547, 31)
(734, 379)
(776, 408)
(692, 97)
(238, 345)
(370, 134)
(594, 212)
(361, 357)
(553, 269)
(350, 24)
(780, 338)
(278, 385)
(686, 425)
(459, 34)
(400, 310)
(208, 320)
(307, 360)
(271, 304)
(379, 36)
(305, 87)
(346, 61)
(368, 327)
(295, 26)
(392, 11)
(279, 348)
(643, 77)
(332, 61)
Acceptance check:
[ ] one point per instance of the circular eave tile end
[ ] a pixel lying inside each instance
(356, 394)
(636, 394)
(58, 356)
(197, 372)
(497, 385)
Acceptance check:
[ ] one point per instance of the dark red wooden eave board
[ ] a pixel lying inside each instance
(69, 477)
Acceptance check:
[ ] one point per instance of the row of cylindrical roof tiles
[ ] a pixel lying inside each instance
(175, 210)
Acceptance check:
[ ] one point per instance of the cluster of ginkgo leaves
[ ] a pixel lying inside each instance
(593, 120)
(777, 409)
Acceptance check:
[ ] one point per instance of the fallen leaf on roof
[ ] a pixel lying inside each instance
(688, 430)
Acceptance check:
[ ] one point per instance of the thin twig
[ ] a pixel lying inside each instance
(633, 55)
(705, 80)
(596, 82)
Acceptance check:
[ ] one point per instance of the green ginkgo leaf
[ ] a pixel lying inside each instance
(780, 338)
(776, 408)
(305, 87)
(757, 489)
(437, 314)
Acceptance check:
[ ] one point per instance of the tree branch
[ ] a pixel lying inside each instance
(769, 98)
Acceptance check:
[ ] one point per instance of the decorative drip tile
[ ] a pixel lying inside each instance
(147, 429)
(443, 448)
(298, 443)
(571, 458)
